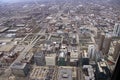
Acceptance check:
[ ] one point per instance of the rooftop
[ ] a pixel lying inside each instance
(64, 74)
(18, 65)
(42, 73)
(6, 48)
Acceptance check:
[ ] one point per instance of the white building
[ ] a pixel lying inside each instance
(91, 51)
(74, 56)
(90, 72)
(116, 31)
(50, 59)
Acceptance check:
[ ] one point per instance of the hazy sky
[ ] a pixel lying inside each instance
(14, 0)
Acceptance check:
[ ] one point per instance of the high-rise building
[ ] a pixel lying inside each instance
(116, 31)
(20, 69)
(116, 50)
(39, 59)
(106, 44)
(116, 72)
(103, 72)
(62, 59)
(85, 58)
(88, 69)
(91, 51)
(102, 37)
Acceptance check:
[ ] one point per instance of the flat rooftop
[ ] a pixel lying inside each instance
(42, 73)
(18, 65)
(66, 73)
(7, 48)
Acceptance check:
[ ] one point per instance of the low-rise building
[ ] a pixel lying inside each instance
(67, 73)
(43, 73)
(20, 69)
(88, 72)
(50, 59)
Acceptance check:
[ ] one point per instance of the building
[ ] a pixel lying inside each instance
(43, 73)
(74, 57)
(47, 46)
(73, 40)
(91, 51)
(62, 59)
(85, 58)
(67, 73)
(28, 58)
(116, 31)
(50, 59)
(39, 59)
(116, 72)
(106, 44)
(7, 47)
(116, 51)
(102, 37)
(20, 69)
(89, 72)
(103, 72)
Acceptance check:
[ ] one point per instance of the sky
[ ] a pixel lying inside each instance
(9, 0)
(12, 1)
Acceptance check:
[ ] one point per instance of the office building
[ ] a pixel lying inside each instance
(116, 72)
(89, 72)
(103, 72)
(116, 31)
(39, 59)
(106, 44)
(67, 73)
(85, 58)
(91, 51)
(20, 69)
(101, 40)
(50, 59)
(62, 59)
(116, 51)
(74, 57)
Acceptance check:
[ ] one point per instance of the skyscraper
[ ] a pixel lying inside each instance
(116, 73)
(116, 31)
(116, 50)
(91, 51)
(106, 44)
(102, 37)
